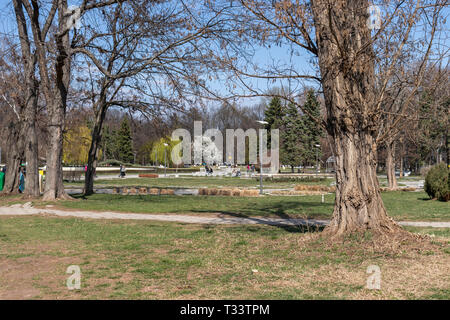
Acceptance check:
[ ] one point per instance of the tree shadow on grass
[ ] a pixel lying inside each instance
(425, 199)
(294, 224)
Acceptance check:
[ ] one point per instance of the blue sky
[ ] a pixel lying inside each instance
(263, 56)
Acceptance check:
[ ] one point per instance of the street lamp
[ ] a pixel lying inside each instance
(260, 156)
(165, 159)
(317, 158)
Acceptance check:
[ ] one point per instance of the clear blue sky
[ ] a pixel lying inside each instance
(263, 57)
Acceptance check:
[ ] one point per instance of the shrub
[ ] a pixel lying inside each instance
(110, 162)
(437, 182)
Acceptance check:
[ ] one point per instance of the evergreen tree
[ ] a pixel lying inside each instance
(125, 143)
(312, 131)
(433, 129)
(293, 135)
(274, 115)
(109, 143)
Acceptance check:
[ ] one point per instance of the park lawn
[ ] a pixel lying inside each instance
(413, 206)
(155, 260)
(195, 182)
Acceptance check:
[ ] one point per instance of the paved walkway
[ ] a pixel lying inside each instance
(27, 209)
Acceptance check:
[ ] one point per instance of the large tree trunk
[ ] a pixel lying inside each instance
(401, 168)
(23, 137)
(390, 166)
(14, 157)
(31, 142)
(347, 72)
(53, 177)
(54, 187)
(358, 204)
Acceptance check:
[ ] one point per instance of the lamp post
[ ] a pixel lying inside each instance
(260, 157)
(317, 158)
(165, 159)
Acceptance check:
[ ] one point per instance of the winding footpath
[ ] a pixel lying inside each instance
(27, 209)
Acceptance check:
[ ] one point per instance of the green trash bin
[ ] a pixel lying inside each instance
(2, 180)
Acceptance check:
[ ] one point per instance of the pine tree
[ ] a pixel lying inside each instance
(125, 142)
(292, 136)
(274, 115)
(109, 143)
(312, 131)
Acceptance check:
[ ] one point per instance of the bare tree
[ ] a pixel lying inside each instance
(337, 36)
(19, 92)
(149, 59)
(54, 82)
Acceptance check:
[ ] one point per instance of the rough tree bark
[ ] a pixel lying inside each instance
(31, 142)
(22, 136)
(54, 187)
(347, 70)
(390, 165)
(14, 157)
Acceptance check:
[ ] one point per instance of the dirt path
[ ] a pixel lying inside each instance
(26, 209)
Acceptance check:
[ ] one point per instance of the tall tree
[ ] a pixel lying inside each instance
(50, 24)
(274, 115)
(337, 35)
(293, 136)
(150, 58)
(22, 137)
(313, 132)
(125, 142)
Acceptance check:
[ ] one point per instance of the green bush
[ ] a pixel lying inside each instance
(437, 182)
(110, 162)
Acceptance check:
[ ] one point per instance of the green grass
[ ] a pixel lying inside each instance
(417, 206)
(194, 182)
(152, 260)
(414, 206)
(267, 206)
(435, 232)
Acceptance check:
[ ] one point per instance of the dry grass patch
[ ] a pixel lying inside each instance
(228, 192)
(307, 187)
(156, 260)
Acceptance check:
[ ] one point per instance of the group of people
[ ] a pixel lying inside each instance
(251, 169)
(236, 171)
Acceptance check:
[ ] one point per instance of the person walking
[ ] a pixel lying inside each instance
(2, 178)
(122, 171)
(21, 180)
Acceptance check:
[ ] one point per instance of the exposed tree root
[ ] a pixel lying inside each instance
(390, 243)
(52, 197)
